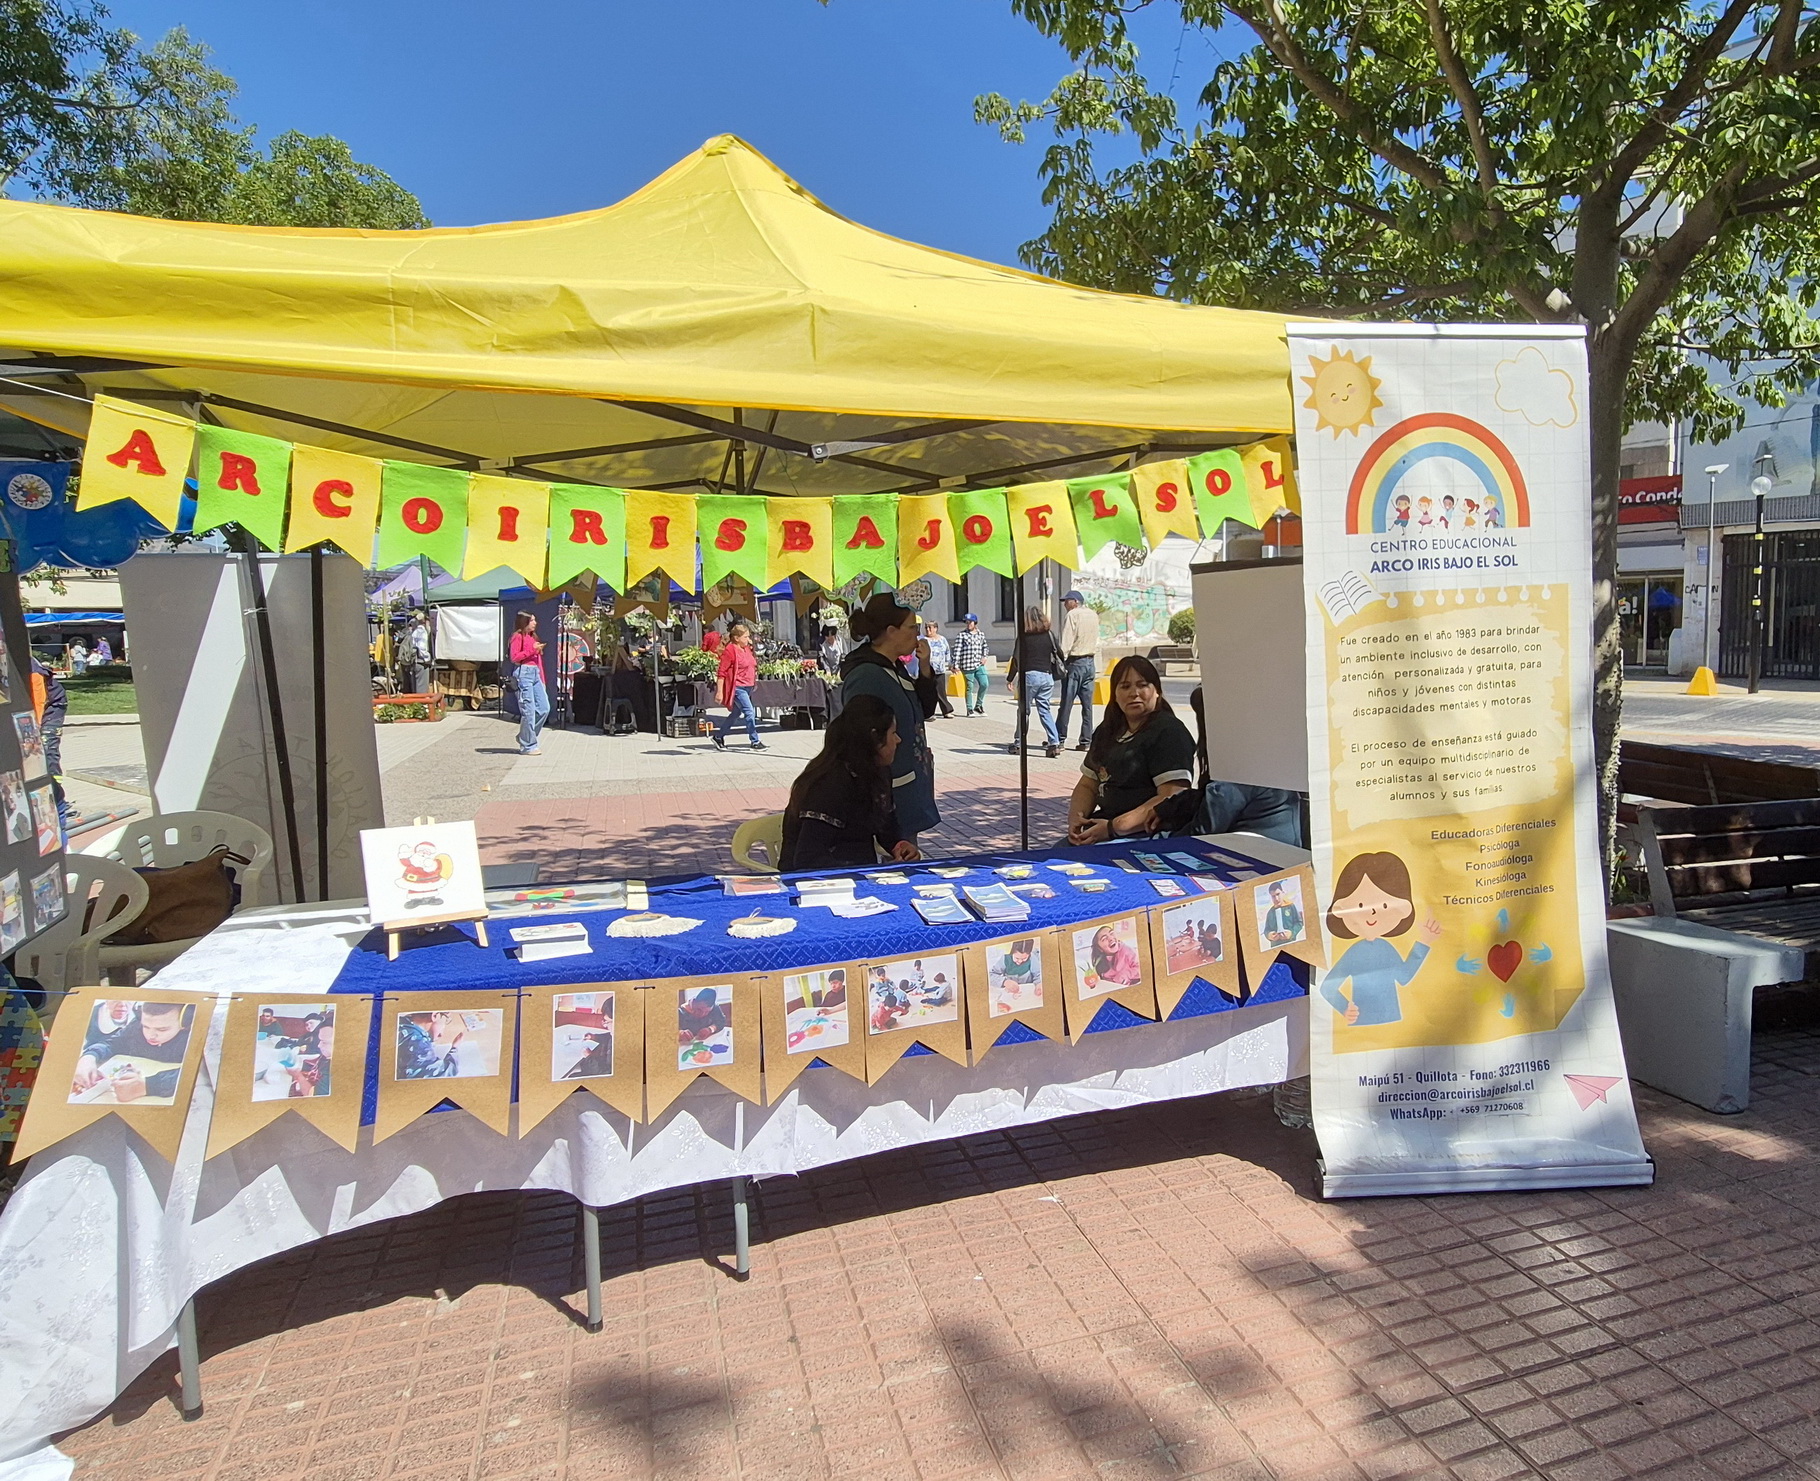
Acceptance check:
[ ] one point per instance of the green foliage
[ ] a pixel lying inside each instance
(391, 714)
(694, 663)
(103, 690)
(1181, 626)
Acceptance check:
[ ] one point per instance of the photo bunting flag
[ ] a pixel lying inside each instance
(982, 523)
(1220, 488)
(292, 1052)
(454, 1046)
(914, 1000)
(696, 1026)
(1107, 959)
(1165, 501)
(334, 497)
(865, 537)
(660, 536)
(244, 479)
(126, 1052)
(799, 540)
(925, 538)
(422, 511)
(813, 1014)
(1016, 980)
(1042, 525)
(508, 525)
(1196, 938)
(581, 1036)
(1277, 916)
(732, 529)
(587, 533)
(139, 454)
(1104, 512)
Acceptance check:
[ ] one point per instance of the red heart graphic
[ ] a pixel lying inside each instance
(1504, 959)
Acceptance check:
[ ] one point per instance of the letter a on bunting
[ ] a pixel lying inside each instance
(982, 528)
(334, 497)
(800, 540)
(508, 519)
(660, 536)
(1104, 511)
(587, 533)
(136, 454)
(865, 537)
(242, 478)
(732, 529)
(925, 539)
(422, 511)
(1042, 525)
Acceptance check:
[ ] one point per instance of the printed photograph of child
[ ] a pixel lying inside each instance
(293, 1051)
(704, 1028)
(1014, 976)
(132, 1054)
(1106, 957)
(581, 1036)
(1279, 908)
(17, 811)
(911, 992)
(1193, 933)
(815, 1011)
(31, 747)
(45, 820)
(440, 1044)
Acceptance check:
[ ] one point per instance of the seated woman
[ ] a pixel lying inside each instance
(840, 808)
(1140, 754)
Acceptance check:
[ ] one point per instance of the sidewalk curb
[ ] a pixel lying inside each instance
(73, 720)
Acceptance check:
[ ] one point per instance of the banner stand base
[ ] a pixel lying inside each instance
(1485, 1180)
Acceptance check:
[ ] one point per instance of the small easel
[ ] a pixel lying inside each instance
(395, 928)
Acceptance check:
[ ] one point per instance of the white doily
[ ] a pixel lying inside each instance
(649, 923)
(762, 925)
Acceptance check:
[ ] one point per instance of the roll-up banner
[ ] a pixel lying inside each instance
(1463, 1036)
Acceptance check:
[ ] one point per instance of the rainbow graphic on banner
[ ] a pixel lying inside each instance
(1503, 501)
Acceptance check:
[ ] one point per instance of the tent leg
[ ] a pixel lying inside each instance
(281, 746)
(1023, 723)
(319, 662)
(590, 1259)
(189, 1362)
(742, 1231)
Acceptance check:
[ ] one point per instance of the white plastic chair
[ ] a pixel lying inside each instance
(103, 897)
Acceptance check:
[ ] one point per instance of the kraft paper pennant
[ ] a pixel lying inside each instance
(982, 524)
(1016, 980)
(1164, 500)
(800, 540)
(815, 1014)
(139, 454)
(865, 537)
(1104, 512)
(1270, 479)
(508, 525)
(914, 1000)
(733, 531)
(660, 536)
(585, 1036)
(1279, 916)
(1108, 958)
(587, 533)
(1042, 525)
(650, 595)
(1195, 937)
(732, 595)
(437, 1046)
(1221, 490)
(925, 539)
(244, 479)
(422, 511)
(697, 1026)
(334, 497)
(292, 1052)
(126, 1052)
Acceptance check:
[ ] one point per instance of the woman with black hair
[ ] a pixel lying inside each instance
(840, 808)
(1140, 754)
(886, 633)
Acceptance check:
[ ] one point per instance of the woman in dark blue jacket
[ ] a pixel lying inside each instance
(886, 633)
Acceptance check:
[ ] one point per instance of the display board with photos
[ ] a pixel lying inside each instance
(31, 847)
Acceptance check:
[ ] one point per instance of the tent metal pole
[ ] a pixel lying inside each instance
(189, 1362)
(1023, 720)
(320, 678)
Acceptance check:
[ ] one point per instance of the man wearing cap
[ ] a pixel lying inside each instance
(969, 655)
(1081, 657)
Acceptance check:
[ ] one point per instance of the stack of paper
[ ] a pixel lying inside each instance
(942, 910)
(541, 943)
(993, 902)
(828, 892)
(752, 884)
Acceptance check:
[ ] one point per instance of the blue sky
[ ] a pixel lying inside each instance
(496, 111)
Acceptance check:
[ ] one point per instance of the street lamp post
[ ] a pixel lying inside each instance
(1759, 487)
(1712, 563)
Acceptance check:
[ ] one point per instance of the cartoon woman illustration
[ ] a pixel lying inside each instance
(1493, 517)
(1373, 900)
(1424, 512)
(1399, 519)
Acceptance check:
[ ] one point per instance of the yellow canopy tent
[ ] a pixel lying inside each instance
(718, 311)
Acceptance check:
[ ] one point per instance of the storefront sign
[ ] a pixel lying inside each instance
(1647, 501)
(1463, 1036)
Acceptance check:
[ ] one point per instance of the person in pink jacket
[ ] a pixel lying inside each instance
(738, 673)
(526, 657)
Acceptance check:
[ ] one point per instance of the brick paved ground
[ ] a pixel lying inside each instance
(1135, 1295)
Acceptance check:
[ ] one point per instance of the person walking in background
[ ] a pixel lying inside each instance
(738, 673)
(832, 651)
(1081, 658)
(969, 655)
(886, 632)
(526, 655)
(1038, 659)
(938, 666)
(417, 655)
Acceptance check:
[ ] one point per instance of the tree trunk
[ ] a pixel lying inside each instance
(1608, 371)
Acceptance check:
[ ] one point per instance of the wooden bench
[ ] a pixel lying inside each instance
(1701, 778)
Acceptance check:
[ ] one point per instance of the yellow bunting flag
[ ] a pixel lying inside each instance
(801, 540)
(1270, 474)
(1042, 525)
(587, 533)
(508, 521)
(660, 536)
(139, 454)
(1164, 500)
(334, 497)
(925, 539)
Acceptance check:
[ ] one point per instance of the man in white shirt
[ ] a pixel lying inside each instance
(1081, 657)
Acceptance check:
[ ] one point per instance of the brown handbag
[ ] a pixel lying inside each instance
(186, 901)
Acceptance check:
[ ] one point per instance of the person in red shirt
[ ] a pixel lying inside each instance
(711, 640)
(738, 673)
(526, 656)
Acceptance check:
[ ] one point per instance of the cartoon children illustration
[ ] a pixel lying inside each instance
(1399, 518)
(1425, 515)
(1372, 901)
(1472, 513)
(1493, 516)
(421, 872)
(1447, 511)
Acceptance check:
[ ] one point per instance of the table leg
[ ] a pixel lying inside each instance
(189, 1361)
(590, 1257)
(742, 1233)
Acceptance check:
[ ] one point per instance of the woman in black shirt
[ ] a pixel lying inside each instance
(840, 809)
(1039, 660)
(1140, 754)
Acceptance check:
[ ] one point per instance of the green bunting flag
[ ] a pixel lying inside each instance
(732, 529)
(865, 537)
(244, 479)
(982, 530)
(587, 533)
(422, 511)
(1104, 511)
(1220, 490)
